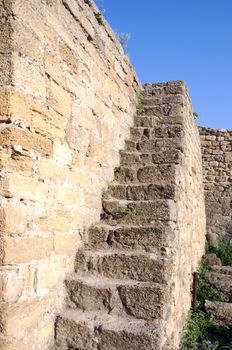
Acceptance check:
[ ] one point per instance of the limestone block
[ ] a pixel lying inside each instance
(19, 318)
(69, 57)
(58, 99)
(6, 69)
(53, 68)
(12, 185)
(30, 76)
(47, 122)
(11, 136)
(68, 196)
(66, 244)
(23, 250)
(79, 177)
(48, 168)
(13, 220)
(49, 274)
(77, 137)
(59, 219)
(26, 41)
(11, 284)
(17, 162)
(62, 154)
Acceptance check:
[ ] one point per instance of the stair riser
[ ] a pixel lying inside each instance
(120, 266)
(140, 302)
(159, 131)
(155, 174)
(138, 212)
(161, 157)
(156, 239)
(79, 336)
(142, 192)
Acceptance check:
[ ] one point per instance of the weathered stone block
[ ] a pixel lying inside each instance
(12, 185)
(23, 250)
(65, 244)
(12, 136)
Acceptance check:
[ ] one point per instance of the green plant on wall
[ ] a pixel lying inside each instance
(223, 250)
(106, 193)
(196, 115)
(123, 38)
(125, 210)
(99, 18)
(140, 102)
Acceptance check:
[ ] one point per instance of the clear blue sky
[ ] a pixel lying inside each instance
(189, 40)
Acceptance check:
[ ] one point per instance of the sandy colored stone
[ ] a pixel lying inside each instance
(20, 318)
(23, 250)
(48, 278)
(12, 185)
(58, 99)
(29, 75)
(48, 122)
(11, 136)
(17, 162)
(66, 244)
(53, 68)
(13, 220)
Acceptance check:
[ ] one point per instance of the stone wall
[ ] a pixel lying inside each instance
(217, 171)
(132, 282)
(190, 225)
(67, 99)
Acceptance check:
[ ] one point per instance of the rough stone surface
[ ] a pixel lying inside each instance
(217, 171)
(137, 262)
(68, 129)
(221, 311)
(67, 99)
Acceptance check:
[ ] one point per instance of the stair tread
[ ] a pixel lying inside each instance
(106, 282)
(110, 252)
(114, 322)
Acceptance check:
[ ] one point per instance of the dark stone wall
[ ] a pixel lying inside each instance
(217, 172)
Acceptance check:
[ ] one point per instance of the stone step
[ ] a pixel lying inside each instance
(159, 89)
(119, 264)
(159, 131)
(145, 122)
(134, 157)
(142, 192)
(226, 270)
(164, 113)
(153, 146)
(159, 174)
(221, 282)
(162, 99)
(221, 311)
(142, 300)
(156, 239)
(138, 212)
(99, 331)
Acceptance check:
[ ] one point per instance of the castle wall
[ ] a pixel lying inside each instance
(67, 100)
(189, 228)
(217, 171)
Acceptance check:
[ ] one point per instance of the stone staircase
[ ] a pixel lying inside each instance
(121, 294)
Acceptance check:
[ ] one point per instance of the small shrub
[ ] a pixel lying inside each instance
(205, 291)
(193, 338)
(228, 347)
(223, 251)
(140, 103)
(196, 115)
(123, 38)
(125, 210)
(106, 193)
(99, 18)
